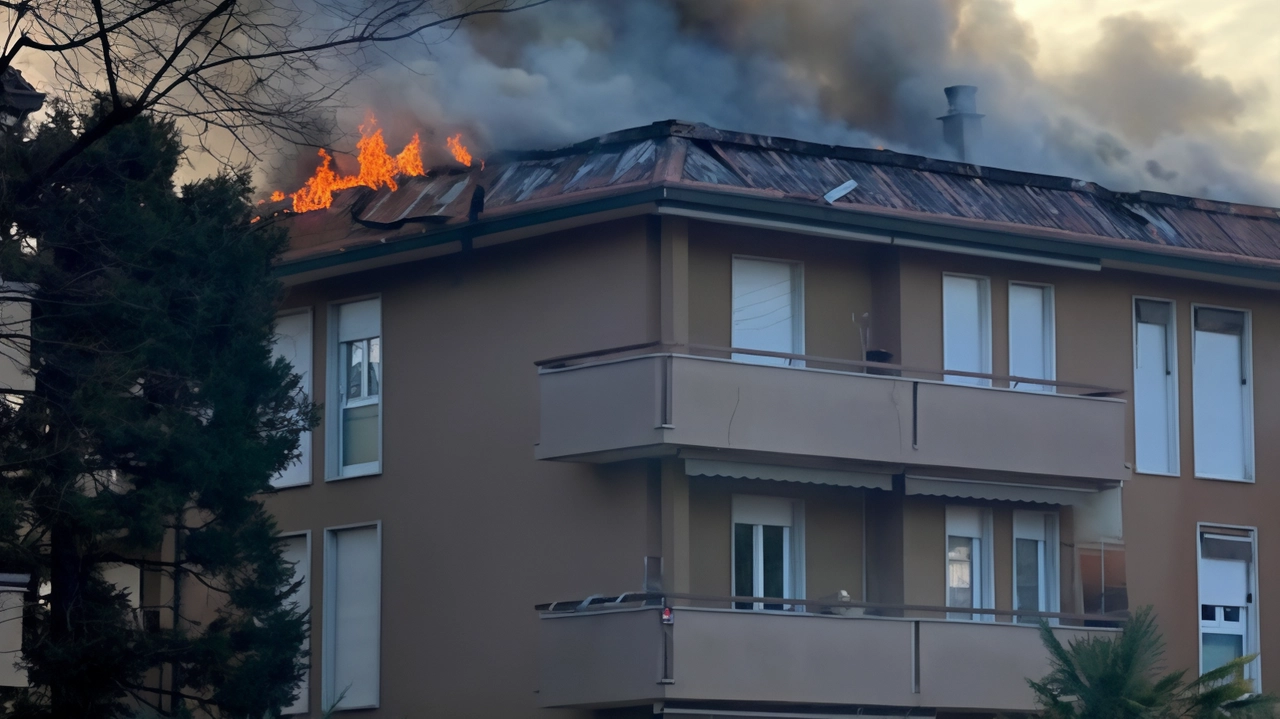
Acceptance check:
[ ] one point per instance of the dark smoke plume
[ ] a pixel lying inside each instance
(1137, 112)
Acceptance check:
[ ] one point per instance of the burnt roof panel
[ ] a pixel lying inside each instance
(673, 152)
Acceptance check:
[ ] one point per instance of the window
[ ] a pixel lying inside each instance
(125, 578)
(356, 379)
(970, 583)
(1222, 395)
(352, 596)
(297, 551)
(1035, 563)
(1103, 585)
(1155, 387)
(1031, 335)
(15, 351)
(966, 327)
(768, 309)
(293, 344)
(12, 600)
(768, 549)
(1226, 582)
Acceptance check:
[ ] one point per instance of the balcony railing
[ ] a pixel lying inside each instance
(642, 648)
(634, 402)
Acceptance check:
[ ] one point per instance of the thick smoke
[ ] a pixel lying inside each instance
(1135, 113)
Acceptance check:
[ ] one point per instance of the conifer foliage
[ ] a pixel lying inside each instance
(156, 420)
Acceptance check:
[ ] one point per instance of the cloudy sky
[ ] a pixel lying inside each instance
(1233, 39)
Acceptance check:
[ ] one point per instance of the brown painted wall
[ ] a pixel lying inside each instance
(832, 534)
(475, 532)
(1094, 345)
(837, 285)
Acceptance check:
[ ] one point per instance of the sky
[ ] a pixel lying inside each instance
(1180, 96)
(1234, 39)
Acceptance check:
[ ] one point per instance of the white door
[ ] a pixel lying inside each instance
(1225, 600)
(966, 327)
(1031, 340)
(767, 310)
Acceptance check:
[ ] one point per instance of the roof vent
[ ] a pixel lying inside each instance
(962, 125)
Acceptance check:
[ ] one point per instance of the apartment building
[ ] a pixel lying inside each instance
(688, 422)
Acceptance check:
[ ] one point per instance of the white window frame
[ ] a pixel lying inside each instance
(1253, 637)
(303, 704)
(1171, 378)
(797, 309)
(753, 506)
(334, 377)
(984, 330)
(981, 561)
(1050, 557)
(1050, 340)
(328, 692)
(1246, 361)
(307, 388)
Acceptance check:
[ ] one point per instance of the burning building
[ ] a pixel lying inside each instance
(796, 430)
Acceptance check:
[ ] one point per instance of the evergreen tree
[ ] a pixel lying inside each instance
(157, 419)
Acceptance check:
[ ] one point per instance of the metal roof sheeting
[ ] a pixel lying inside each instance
(673, 154)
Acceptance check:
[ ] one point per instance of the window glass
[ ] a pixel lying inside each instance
(743, 563)
(359, 435)
(1220, 649)
(960, 552)
(1155, 388)
(773, 541)
(375, 367)
(1221, 396)
(766, 310)
(1027, 578)
(966, 331)
(1031, 335)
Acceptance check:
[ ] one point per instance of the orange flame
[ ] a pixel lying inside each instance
(377, 169)
(459, 150)
(409, 161)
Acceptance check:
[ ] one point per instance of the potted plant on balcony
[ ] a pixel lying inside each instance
(1117, 677)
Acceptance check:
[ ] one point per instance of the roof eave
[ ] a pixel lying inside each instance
(800, 215)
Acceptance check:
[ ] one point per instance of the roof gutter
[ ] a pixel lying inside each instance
(781, 214)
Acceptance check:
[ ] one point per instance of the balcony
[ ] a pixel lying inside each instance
(657, 404)
(593, 658)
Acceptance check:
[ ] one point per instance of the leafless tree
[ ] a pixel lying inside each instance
(233, 73)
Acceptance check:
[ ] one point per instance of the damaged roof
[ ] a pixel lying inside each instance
(675, 161)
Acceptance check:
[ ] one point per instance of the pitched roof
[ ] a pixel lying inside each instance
(891, 186)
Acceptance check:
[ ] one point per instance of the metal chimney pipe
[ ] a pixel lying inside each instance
(962, 125)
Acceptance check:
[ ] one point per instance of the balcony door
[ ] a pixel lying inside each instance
(768, 309)
(1226, 581)
(970, 582)
(768, 550)
(966, 327)
(1035, 563)
(1031, 335)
